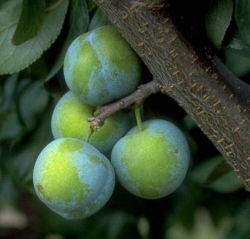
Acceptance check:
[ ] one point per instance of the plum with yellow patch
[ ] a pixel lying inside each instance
(100, 66)
(70, 119)
(73, 178)
(151, 163)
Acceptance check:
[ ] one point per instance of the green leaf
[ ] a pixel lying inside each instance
(26, 153)
(227, 183)
(31, 101)
(24, 101)
(189, 123)
(78, 24)
(52, 4)
(237, 43)
(238, 61)
(15, 58)
(99, 19)
(221, 179)
(221, 169)
(10, 126)
(33, 11)
(218, 20)
(91, 5)
(242, 18)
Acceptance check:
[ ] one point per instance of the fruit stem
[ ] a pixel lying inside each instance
(91, 130)
(138, 116)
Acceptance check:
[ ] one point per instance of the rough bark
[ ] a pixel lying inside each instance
(217, 100)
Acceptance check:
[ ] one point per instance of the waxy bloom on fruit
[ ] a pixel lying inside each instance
(151, 163)
(70, 119)
(73, 178)
(100, 66)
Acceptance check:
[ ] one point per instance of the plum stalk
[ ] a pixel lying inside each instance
(138, 117)
(136, 98)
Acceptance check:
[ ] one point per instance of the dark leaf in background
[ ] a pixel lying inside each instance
(242, 18)
(78, 24)
(218, 20)
(30, 21)
(98, 20)
(213, 174)
(220, 170)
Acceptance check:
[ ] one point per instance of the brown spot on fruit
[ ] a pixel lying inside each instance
(40, 188)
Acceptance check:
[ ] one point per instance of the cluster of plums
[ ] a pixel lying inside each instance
(73, 175)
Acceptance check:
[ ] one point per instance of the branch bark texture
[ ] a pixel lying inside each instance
(217, 100)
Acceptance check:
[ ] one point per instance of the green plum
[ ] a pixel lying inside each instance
(100, 66)
(73, 178)
(151, 163)
(70, 119)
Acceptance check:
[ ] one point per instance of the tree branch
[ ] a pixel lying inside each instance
(218, 101)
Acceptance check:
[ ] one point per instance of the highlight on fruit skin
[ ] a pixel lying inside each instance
(151, 163)
(73, 178)
(70, 119)
(100, 66)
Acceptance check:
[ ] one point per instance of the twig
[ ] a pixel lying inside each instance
(137, 97)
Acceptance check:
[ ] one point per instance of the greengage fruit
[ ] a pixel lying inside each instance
(70, 119)
(100, 66)
(73, 178)
(151, 163)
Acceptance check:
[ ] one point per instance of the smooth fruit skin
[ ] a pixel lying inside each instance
(151, 163)
(73, 178)
(100, 66)
(70, 119)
